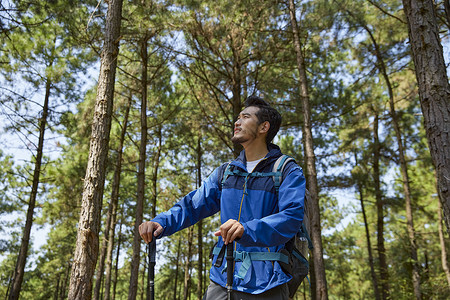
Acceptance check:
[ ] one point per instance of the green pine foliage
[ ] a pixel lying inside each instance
(204, 58)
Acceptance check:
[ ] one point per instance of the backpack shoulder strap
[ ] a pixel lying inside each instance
(277, 172)
(225, 173)
(278, 168)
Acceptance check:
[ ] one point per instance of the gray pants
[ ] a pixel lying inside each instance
(217, 292)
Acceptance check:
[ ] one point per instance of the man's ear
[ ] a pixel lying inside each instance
(264, 127)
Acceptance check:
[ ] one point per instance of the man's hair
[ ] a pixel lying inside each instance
(265, 113)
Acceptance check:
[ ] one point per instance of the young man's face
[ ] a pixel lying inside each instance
(246, 128)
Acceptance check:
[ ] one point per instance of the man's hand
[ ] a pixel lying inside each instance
(149, 229)
(230, 230)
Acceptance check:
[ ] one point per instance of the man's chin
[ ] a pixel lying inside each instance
(238, 140)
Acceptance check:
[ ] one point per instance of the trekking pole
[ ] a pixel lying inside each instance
(151, 269)
(230, 269)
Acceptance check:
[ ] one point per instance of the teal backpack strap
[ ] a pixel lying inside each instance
(225, 175)
(278, 168)
(276, 174)
(236, 172)
(247, 257)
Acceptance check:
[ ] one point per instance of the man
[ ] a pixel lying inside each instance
(255, 217)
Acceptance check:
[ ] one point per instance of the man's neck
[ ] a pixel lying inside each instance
(255, 151)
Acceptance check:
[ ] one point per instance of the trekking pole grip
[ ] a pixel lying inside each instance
(230, 269)
(151, 268)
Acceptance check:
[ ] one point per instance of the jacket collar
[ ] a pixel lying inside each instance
(274, 152)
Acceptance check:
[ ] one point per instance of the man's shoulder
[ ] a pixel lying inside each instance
(290, 164)
(288, 160)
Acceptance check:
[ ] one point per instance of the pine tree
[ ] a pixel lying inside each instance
(433, 86)
(86, 250)
(311, 173)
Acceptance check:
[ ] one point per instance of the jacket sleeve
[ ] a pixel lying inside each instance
(278, 228)
(197, 205)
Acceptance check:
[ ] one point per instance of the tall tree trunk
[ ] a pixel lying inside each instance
(56, 292)
(403, 167)
(311, 174)
(101, 266)
(206, 263)
(62, 294)
(369, 244)
(156, 163)
(434, 90)
(9, 285)
(384, 276)
(200, 223)
(177, 268)
(116, 266)
(142, 288)
(23, 252)
(187, 266)
(442, 243)
(112, 208)
(135, 260)
(86, 251)
(200, 259)
(447, 12)
(236, 81)
(237, 106)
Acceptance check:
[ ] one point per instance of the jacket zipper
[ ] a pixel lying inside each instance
(243, 195)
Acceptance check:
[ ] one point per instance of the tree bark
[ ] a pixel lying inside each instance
(23, 252)
(369, 249)
(156, 162)
(384, 275)
(434, 90)
(369, 244)
(56, 292)
(187, 266)
(62, 294)
(143, 289)
(236, 78)
(236, 90)
(177, 267)
(403, 167)
(206, 263)
(311, 174)
(135, 261)
(447, 12)
(86, 251)
(112, 208)
(101, 266)
(116, 266)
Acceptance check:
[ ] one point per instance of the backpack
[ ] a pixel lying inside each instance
(296, 249)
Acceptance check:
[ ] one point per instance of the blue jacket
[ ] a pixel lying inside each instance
(268, 222)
